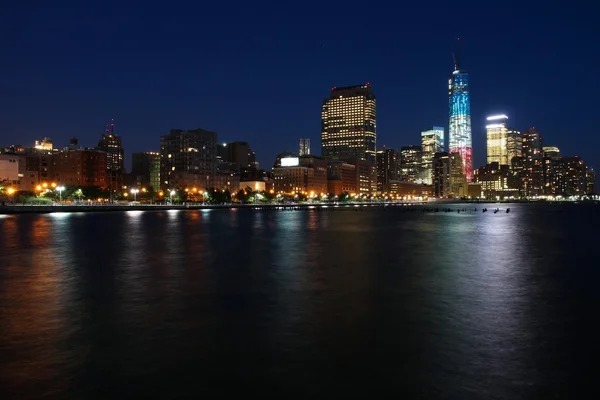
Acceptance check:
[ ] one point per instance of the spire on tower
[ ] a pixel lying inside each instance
(456, 57)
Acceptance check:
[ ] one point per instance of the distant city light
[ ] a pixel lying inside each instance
(497, 117)
(290, 161)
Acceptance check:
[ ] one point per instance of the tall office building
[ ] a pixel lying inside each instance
(533, 168)
(551, 169)
(304, 148)
(387, 167)
(411, 161)
(441, 175)
(188, 159)
(460, 140)
(590, 181)
(432, 141)
(503, 143)
(573, 179)
(348, 124)
(112, 145)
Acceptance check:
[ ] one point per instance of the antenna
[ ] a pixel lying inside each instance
(457, 58)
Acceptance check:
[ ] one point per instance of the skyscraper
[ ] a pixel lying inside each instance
(112, 145)
(590, 181)
(348, 124)
(387, 167)
(432, 141)
(572, 181)
(411, 161)
(552, 168)
(460, 140)
(441, 175)
(503, 143)
(304, 148)
(533, 169)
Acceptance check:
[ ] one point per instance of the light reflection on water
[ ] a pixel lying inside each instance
(330, 302)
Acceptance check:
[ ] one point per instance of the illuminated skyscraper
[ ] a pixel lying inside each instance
(348, 124)
(590, 181)
(460, 140)
(432, 141)
(304, 148)
(111, 144)
(411, 163)
(115, 157)
(503, 143)
(388, 162)
(533, 166)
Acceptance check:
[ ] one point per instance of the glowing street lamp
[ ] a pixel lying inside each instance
(135, 192)
(60, 190)
(10, 192)
(172, 193)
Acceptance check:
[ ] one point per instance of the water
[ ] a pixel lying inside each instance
(301, 303)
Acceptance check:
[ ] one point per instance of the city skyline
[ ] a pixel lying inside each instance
(75, 96)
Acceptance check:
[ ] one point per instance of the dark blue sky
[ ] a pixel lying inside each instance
(257, 71)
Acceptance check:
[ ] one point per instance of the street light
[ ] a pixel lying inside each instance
(10, 192)
(60, 189)
(172, 193)
(135, 192)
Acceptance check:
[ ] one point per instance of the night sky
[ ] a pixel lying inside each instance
(258, 72)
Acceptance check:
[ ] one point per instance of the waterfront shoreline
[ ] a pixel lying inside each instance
(48, 209)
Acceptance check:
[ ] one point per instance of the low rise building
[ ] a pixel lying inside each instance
(307, 174)
(80, 167)
(409, 190)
